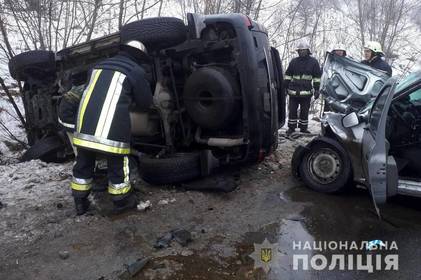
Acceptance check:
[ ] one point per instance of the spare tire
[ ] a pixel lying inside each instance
(211, 96)
(155, 33)
(176, 168)
(37, 64)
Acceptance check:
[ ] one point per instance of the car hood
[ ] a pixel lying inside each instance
(348, 85)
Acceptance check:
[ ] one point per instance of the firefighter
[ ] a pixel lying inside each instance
(373, 56)
(339, 50)
(103, 125)
(301, 77)
(69, 104)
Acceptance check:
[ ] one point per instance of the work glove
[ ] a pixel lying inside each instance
(316, 94)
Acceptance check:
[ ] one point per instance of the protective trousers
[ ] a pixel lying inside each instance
(118, 174)
(304, 103)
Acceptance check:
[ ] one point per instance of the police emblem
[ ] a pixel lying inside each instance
(265, 255)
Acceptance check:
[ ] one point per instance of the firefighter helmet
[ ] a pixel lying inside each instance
(303, 45)
(136, 45)
(374, 46)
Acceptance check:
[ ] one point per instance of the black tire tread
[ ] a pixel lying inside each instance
(38, 59)
(155, 33)
(177, 168)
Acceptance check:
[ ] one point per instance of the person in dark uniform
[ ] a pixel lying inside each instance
(69, 104)
(373, 56)
(301, 77)
(103, 125)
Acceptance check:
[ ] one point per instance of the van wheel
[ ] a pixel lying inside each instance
(36, 64)
(45, 149)
(155, 33)
(175, 168)
(326, 168)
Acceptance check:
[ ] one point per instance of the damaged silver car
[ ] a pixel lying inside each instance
(377, 146)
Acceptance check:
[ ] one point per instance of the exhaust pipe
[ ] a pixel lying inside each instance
(218, 142)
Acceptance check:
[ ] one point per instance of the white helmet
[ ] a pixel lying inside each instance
(374, 46)
(338, 47)
(136, 45)
(303, 45)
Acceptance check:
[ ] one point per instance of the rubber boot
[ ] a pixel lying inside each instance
(81, 205)
(290, 131)
(124, 204)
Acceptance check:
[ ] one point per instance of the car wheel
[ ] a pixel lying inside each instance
(37, 64)
(175, 168)
(210, 96)
(326, 168)
(155, 33)
(45, 149)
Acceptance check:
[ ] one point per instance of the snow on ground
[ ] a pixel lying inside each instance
(10, 149)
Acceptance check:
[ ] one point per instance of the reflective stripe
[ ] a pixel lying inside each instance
(316, 80)
(287, 77)
(106, 105)
(68, 125)
(307, 77)
(117, 189)
(305, 92)
(80, 187)
(100, 147)
(302, 92)
(82, 181)
(296, 77)
(86, 96)
(113, 105)
(105, 141)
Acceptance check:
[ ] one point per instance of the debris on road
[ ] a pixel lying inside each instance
(166, 201)
(144, 205)
(164, 241)
(137, 266)
(64, 254)
(181, 236)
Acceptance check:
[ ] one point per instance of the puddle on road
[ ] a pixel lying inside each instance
(348, 217)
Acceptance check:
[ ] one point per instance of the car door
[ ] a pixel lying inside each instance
(375, 146)
(346, 82)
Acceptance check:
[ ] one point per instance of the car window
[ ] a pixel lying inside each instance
(376, 111)
(415, 97)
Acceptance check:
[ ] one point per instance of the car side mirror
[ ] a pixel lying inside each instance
(350, 120)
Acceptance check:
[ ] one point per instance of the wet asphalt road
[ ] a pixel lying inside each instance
(267, 204)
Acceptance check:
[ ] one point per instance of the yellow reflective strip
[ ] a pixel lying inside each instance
(296, 77)
(307, 77)
(100, 147)
(316, 80)
(124, 190)
(288, 77)
(80, 187)
(87, 97)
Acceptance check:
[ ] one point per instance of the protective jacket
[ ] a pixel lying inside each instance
(302, 75)
(103, 120)
(378, 63)
(68, 108)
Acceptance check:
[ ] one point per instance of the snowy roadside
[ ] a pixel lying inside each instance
(11, 131)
